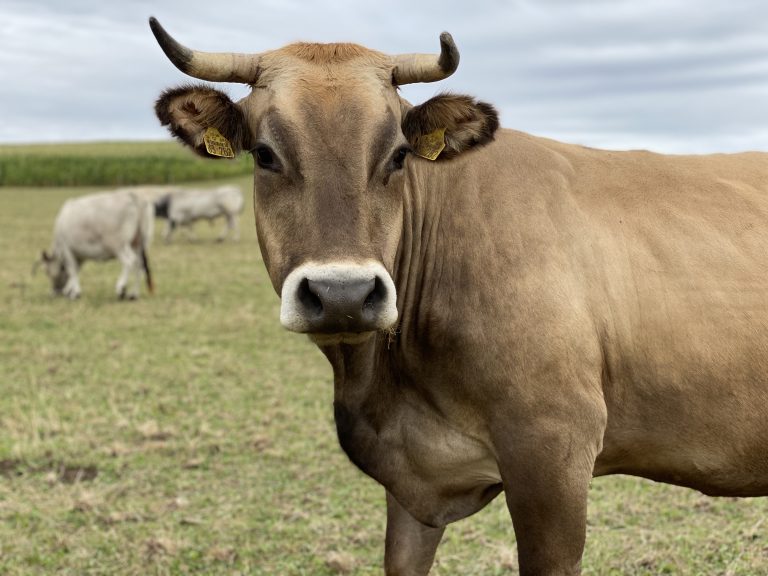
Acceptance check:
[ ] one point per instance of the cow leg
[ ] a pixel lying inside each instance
(233, 226)
(170, 226)
(224, 231)
(410, 545)
(72, 287)
(130, 263)
(188, 231)
(138, 272)
(230, 228)
(546, 467)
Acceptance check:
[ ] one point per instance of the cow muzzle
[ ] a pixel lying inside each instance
(338, 298)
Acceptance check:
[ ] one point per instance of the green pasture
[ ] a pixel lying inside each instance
(188, 433)
(110, 164)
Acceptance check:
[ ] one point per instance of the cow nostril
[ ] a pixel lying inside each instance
(377, 295)
(309, 299)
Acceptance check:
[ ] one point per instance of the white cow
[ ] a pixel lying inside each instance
(101, 227)
(183, 207)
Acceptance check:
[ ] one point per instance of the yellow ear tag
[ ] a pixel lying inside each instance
(216, 144)
(430, 145)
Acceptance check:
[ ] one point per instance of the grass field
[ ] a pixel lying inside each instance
(111, 164)
(188, 433)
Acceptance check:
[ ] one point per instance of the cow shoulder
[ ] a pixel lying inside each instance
(466, 121)
(190, 110)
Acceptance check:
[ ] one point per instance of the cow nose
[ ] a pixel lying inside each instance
(338, 298)
(341, 305)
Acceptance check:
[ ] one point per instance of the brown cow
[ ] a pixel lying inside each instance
(519, 315)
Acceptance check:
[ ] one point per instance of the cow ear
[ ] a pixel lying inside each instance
(190, 112)
(44, 257)
(465, 121)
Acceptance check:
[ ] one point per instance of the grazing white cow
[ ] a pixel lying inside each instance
(184, 207)
(101, 227)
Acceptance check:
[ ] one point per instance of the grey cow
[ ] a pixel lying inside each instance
(101, 226)
(184, 207)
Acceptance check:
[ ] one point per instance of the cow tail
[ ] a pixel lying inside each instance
(147, 271)
(147, 226)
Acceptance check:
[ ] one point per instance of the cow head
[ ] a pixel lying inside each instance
(331, 140)
(54, 269)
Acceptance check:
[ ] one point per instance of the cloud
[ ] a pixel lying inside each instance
(672, 75)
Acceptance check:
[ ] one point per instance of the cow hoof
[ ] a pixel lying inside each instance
(71, 293)
(124, 294)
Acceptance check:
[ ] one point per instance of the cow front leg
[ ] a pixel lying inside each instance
(71, 288)
(410, 545)
(546, 474)
(230, 228)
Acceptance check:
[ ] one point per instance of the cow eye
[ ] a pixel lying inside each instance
(399, 158)
(266, 159)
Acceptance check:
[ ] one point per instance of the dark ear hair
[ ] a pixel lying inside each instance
(189, 111)
(466, 121)
(44, 257)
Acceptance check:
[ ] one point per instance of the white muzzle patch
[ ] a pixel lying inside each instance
(338, 297)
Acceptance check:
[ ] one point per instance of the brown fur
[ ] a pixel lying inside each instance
(189, 110)
(467, 122)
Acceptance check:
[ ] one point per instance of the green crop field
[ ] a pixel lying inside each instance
(111, 164)
(188, 433)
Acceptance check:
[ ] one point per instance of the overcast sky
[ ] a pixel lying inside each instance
(665, 75)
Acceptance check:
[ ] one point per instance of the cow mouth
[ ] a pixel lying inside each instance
(349, 338)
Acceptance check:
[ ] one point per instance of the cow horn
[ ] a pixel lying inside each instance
(211, 66)
(410, 68)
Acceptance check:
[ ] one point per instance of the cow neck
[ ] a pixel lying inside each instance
(368, 377)
(362, 399)
(419, 264)
(353, 371)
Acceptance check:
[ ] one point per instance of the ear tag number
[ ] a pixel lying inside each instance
(430, 145)
(216, 144)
